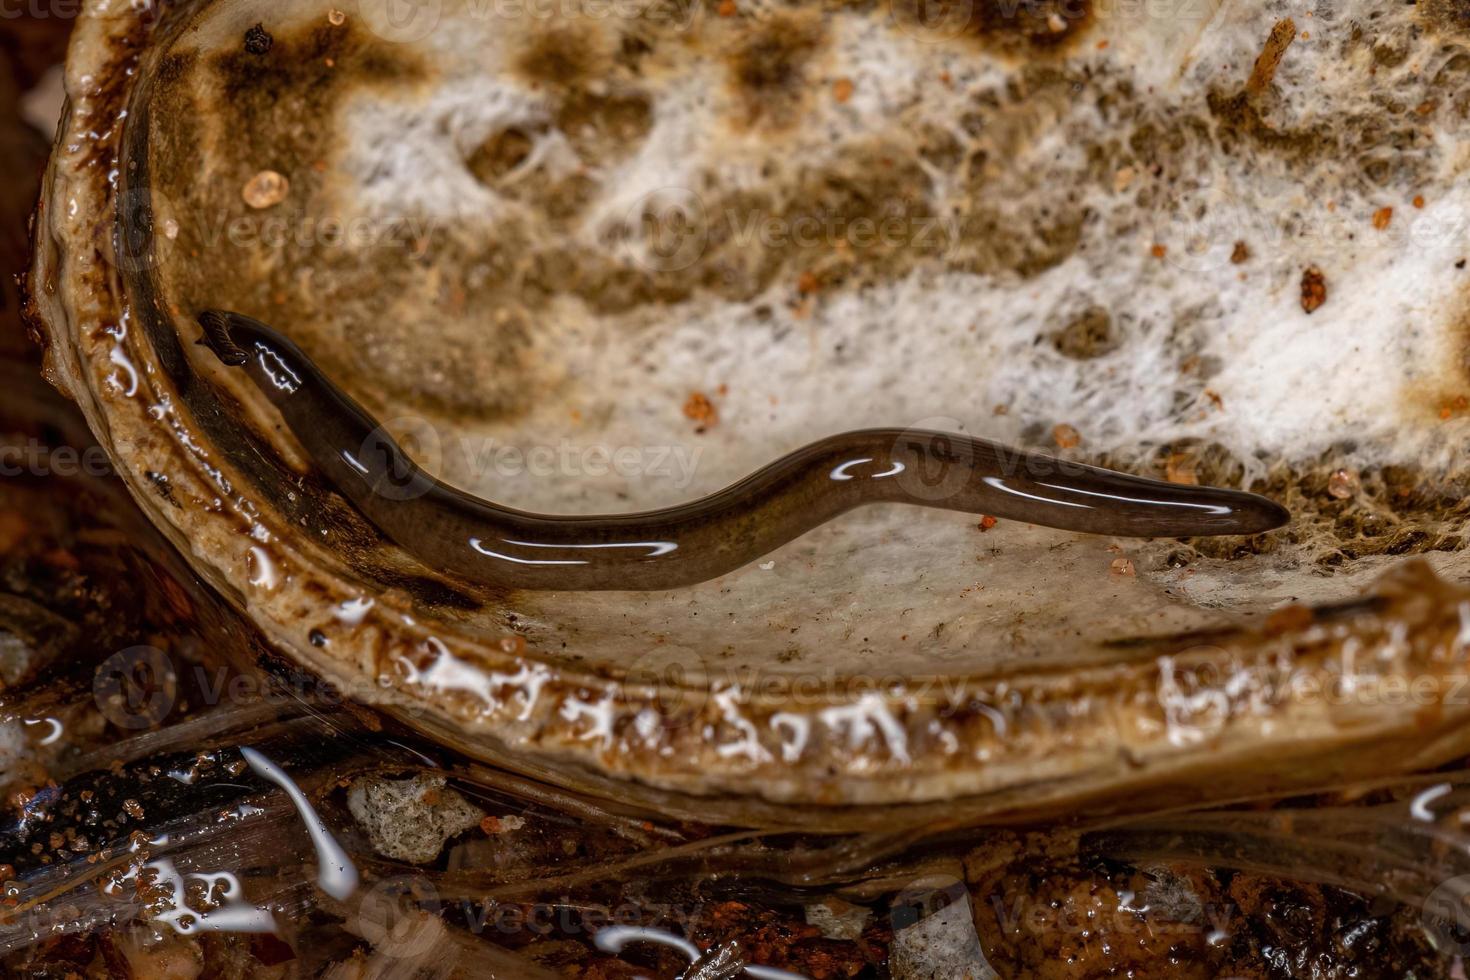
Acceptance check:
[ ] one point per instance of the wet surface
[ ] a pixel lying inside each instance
(136, 839)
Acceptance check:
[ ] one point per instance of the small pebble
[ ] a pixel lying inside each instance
(266, 189)
(700, 409)
(410, 820)
(501, 825)
(1123, 566)
(258, 40)
(336, 17)
(1342, 484)
(1066, 436)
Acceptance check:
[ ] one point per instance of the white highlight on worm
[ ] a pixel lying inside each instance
(277, 370)
(1211, 508)
(656, 549)
(840, 473)
(480, 547)
(351, 461)
(1000, 484)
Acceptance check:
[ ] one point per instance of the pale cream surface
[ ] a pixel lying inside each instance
(1106, 180)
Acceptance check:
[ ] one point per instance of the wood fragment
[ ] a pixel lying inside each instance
(1270, 57)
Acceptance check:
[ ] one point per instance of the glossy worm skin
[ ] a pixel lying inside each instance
(666, 549)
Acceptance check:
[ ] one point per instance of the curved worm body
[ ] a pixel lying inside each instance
(693, 542)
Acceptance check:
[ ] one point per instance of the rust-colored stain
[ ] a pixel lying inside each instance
(699, 409)
(1314, 289)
